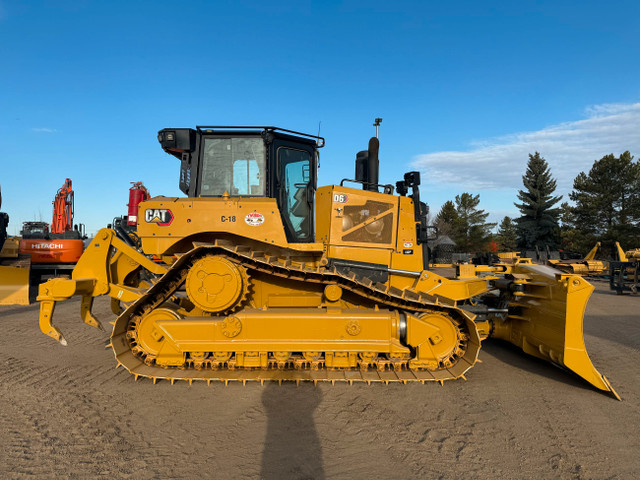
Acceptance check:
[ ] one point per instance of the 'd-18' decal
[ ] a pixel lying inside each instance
(161, 216)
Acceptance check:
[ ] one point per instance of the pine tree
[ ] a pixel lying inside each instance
(607, 204)
(507, 235)
(471, 230)
(538, 225)
(447, 219)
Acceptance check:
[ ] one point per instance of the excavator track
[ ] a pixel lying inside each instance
(300, 366)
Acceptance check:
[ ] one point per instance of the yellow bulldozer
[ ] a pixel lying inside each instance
(14, 268)
(258, 275)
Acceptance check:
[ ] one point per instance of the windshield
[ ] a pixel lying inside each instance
(233, 165)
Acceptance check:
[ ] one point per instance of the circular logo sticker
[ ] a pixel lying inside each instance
(408, 244)
(254, 219)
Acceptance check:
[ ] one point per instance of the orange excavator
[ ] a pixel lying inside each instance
(59, 248)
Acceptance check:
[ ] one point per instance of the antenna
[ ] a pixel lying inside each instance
(377, 123)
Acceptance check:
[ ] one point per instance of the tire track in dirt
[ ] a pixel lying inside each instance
(415, 440)
(67, 412)
(50, 428)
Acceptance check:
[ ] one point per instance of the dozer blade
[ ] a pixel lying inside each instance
(14, 286)
(545, 320)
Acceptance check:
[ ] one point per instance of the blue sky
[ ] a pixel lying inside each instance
(465, 89)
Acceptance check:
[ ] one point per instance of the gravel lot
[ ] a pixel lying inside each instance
(67, 412)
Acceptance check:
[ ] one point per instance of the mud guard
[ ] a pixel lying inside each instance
(546, 312)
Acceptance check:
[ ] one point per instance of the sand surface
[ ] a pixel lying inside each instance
(67, 412)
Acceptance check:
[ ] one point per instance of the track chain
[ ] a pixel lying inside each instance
(131, 355)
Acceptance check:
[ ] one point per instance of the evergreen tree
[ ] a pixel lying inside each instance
(471, 230)
(507, 235)
(607, 204)
(572, 239)
(538, 225)
(447, 219)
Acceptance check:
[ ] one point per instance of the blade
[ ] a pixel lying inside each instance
(545, 319)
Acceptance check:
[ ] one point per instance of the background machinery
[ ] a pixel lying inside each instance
(56, 249)
(624, 274)
(585, 266)
(257, 274)
(125, 226)
(14, 269)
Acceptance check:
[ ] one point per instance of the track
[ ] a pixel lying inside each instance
(136, 360)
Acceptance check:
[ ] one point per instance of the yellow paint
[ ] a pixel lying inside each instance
(236, 311)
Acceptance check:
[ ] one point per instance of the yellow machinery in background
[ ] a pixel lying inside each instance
(629, 255)
(14, 268)
(258, 275)
(586, 266)
(624, 274)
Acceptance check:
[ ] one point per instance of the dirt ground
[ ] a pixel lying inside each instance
(67, 412)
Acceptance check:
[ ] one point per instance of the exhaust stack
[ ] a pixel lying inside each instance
(368, 163)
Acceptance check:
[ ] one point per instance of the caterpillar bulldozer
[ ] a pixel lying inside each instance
(258, 275)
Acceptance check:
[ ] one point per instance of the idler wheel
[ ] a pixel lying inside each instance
(216, 284)
(150, 336)
(436, 339)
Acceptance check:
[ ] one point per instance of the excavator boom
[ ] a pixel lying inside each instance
(63, 209)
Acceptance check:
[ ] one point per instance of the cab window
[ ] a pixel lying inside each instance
(233, 165)
(295, 193)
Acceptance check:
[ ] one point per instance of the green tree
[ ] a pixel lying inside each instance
(471, 230)
(538, 224)
(572, 239)
(447, 219)
(606, 204)
(507, 235)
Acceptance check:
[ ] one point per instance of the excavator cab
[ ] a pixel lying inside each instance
(251, 162)
(35, 230)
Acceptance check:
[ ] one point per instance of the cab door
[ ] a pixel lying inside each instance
(295, 190)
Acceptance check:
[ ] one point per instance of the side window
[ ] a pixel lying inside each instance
(295, 180)
(234, 165)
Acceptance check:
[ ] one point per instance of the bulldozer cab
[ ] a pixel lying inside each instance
(250, 162)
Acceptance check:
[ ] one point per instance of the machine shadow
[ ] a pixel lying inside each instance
(514, 357)
(292, 448)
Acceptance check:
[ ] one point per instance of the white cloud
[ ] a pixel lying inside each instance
(44, 130)
(569, 148)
